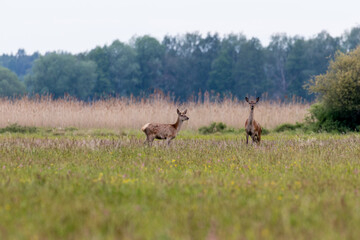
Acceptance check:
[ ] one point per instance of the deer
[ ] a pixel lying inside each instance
(252, 127)
(164, 131)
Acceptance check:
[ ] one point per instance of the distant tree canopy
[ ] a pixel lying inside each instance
(117, 69)
(58, 74)
(20, 63)
(10, 85)
(184, 65)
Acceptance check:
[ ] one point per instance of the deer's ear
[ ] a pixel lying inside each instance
(257, 99)
(177, 110)
(246, 99)
(184, 112)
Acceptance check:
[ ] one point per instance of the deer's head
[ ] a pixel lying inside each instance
(182, 115)
(252, 103)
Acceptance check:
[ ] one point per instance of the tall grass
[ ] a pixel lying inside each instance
(115, 113)
(289, 187)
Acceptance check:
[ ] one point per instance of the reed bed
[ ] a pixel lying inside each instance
(131, 113)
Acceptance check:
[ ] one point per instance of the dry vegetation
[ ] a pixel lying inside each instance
(115, 113)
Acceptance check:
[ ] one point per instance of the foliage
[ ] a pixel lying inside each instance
(351, 39)
(215, 128)
(149, 54)
(338, 89)
(73, 187)
(187, 64)
(15, 128)
(60, 74)
(264, 131)
(118, 71)
(10, 85)
(219, 127)
(323, 119)
(289, 127)
(20, 63)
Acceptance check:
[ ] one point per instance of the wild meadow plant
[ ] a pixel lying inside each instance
(80, 185)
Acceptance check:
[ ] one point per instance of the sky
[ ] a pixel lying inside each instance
(80, 25)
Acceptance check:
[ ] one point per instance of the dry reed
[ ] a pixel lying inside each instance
(122, 113)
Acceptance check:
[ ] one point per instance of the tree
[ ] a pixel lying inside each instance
(124, 71)
(173, 65)
(200, 61)
(149, 54)
(276, 56)
(338, 92)
(320, 50)
(221, 75)
(117, 69)
(20, 63)
(249, 69)
(60, 73)
(103, 84)
(10, 85)
(296, 66)
(352, 39)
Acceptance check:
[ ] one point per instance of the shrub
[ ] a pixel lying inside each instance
(337, 90)
(214, 128)
(289, 127)
(324, 119)
(222, 128)
(15, 128)
(264, 131)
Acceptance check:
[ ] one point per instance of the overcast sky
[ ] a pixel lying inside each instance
(81, 25)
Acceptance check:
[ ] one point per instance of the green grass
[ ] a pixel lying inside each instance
(94, 184)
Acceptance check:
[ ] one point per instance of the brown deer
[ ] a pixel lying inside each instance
(252, 127)
(164, 131)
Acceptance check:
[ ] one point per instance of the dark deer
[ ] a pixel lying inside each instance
(252, 127)
(164, 131)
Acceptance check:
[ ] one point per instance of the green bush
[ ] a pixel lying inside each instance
(338, 90)
(323, 119)
(222, 128)
(289, 127)
(264, 131)
(15, 128)
(215, 128)
(71, 129)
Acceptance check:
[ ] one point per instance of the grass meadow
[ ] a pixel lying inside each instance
(101, 182)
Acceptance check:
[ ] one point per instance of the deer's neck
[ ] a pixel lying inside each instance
(177, 125)
(251, 117)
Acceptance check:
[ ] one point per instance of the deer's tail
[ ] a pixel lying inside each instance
(144, 127)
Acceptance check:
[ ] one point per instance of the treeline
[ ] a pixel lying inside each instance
(181, 65)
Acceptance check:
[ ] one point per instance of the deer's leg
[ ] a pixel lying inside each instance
(247, 138)
(259, 138)
(152, 139)
(168, 140)
(254, 138)
(149, 140)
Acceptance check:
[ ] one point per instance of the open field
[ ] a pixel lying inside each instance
(94, 184)
(118, 113)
